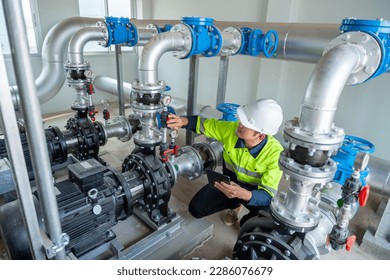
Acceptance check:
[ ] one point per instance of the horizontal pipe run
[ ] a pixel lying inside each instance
(303, 42)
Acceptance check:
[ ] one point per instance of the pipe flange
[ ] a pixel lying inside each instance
(296, 136)
(296, 221)
(126, 128)
(188, 163)
(187, 36)
(141, 140)
(139, 87)
(142, 109)
(370, 54)
(104, 31)
(212, 154)
(232, 41)
(308, 173)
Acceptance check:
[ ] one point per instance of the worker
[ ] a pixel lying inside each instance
(250, 159)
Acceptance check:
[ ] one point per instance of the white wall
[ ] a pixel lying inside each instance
(363, 109)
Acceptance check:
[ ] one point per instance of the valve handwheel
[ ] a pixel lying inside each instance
(227, 107)
(356, 144)
(270, 43)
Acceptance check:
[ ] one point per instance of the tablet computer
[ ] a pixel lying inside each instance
(214, 176)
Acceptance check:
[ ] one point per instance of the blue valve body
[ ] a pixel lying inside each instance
(207, 39)
(229, 111)
(120, 31)
(380, 31)
(346, 156)
(255, 42)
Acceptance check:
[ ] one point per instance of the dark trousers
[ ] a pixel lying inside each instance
(209, 200)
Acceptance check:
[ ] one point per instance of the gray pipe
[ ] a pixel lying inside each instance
(297, 42)
(303, 42)
(81, 38)
(54, 53)
(110, 85)
(379, 176)
(18, 163)
(34, 125)
(326, 83)
(154, 49)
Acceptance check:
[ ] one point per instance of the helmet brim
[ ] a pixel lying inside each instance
(244, 119)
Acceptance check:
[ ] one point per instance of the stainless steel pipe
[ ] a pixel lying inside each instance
(326, 83)
(34, 125)
(154, 49)
(303, 42)
(54, 54)
(16, 156)
(81, 38)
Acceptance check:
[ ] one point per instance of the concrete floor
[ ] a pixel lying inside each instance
(220, 244)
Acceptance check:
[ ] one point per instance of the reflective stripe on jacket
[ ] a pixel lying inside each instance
(262, 171)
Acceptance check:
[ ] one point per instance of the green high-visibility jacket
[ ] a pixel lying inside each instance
(262, 171)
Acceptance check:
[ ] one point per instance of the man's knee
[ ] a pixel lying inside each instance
(195, 212)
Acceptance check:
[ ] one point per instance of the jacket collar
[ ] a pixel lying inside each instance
(254, 151)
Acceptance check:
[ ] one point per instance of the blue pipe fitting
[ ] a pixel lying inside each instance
(120, 31)
(165, 28)
(207, 39)
(380, 31)
(246, 32)
(255, 42)
(346, 156)
(229, 111)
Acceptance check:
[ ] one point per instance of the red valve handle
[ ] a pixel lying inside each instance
(350, 241)
(363, 195)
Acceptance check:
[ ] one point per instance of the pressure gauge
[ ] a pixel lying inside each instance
(166, 100)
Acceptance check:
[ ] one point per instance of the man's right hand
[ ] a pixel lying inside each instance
(176, 122)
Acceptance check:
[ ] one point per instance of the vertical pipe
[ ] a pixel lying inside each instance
(222, 79)
(192, 94)
(326, 83)
(119, 76)
(18, 163)
(34, 125)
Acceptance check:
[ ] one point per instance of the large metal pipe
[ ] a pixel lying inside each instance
(54, 54)
(81, 38)
(110, 85)
(15, 151)
(326, 83)
(297, 42)
(379, 176)
(303, 42)
(34, 125)
(154, 49)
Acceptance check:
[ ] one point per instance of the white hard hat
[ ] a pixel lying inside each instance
(264, 116)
